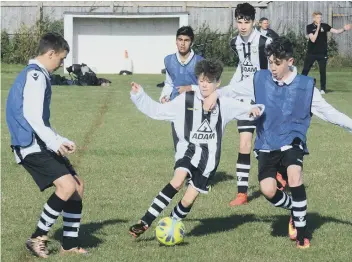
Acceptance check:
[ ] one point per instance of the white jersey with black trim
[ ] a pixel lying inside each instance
(251, 59)
(199, 132)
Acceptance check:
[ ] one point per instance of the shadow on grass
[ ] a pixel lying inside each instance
(220, 177)
(148, 239)
(87, 232)
(279, 223)
(221, 224)
(314, 222)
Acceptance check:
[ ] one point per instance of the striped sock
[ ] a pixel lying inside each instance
(281, 199)
(159, 203)
(242, 172)
(72, 220)
(299, 210)
(51, 211)
(180, 212)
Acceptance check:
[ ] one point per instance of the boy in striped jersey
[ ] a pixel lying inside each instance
(41, 151)
(249, 46)
(199, 135)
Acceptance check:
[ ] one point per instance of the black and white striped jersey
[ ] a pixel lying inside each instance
(199, 132)
(251, 58)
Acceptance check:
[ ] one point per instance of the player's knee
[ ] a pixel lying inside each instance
(294, 174)
(268, 190)
(245, 146)
(295, 181)
(178, 179)
(65, 187)
(177, 184)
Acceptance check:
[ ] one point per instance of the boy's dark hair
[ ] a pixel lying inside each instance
(185, 30)
(245, 11)
(52, 41)
(212, 69)
(263, 19)
(280, 48)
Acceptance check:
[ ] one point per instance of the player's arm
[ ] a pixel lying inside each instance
(228, 91)
(225, 91)
(33, 99)
(327, 112)
(167, 89)
(151, 108)
(233, 109)
(341, 30)
(210, 101)
(313, 36)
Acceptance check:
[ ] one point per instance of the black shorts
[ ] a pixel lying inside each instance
(246, 126)
(46, 166)
(195, 176)
(271, 162)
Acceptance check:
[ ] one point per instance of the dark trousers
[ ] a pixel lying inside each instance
(322, 60)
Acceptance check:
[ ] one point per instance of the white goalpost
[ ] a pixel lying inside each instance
(101, 39)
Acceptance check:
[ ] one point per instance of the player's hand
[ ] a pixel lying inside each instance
(347, 27)
(255, 112)
(165, 99)
(182, 89)
(135, 88)
(210, 102)
(62, 150)
(70, 146)
(66, 148)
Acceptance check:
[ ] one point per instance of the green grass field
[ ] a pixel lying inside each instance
(125, 158)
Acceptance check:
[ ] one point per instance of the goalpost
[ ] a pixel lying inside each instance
(101, 39)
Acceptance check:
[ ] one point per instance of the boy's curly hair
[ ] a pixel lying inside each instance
(245, 11)
(280, 48)
(212, 69)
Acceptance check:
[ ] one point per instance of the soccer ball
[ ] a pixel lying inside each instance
(170, 231)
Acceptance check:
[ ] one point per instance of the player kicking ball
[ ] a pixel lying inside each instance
(290, 100)
(199, 133)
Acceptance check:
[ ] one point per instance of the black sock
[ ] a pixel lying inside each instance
(160, 202)
(281, 199)
(299, 210)
(51, 211)
(180, 212)
(72, 219)
(242, 172)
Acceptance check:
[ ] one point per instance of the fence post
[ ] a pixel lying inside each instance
(184, 6)
(112, 6)
(330, 19)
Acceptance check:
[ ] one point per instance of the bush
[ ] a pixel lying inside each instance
(300, 46)
(5, 46)
(212, 44)
(22, 46)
